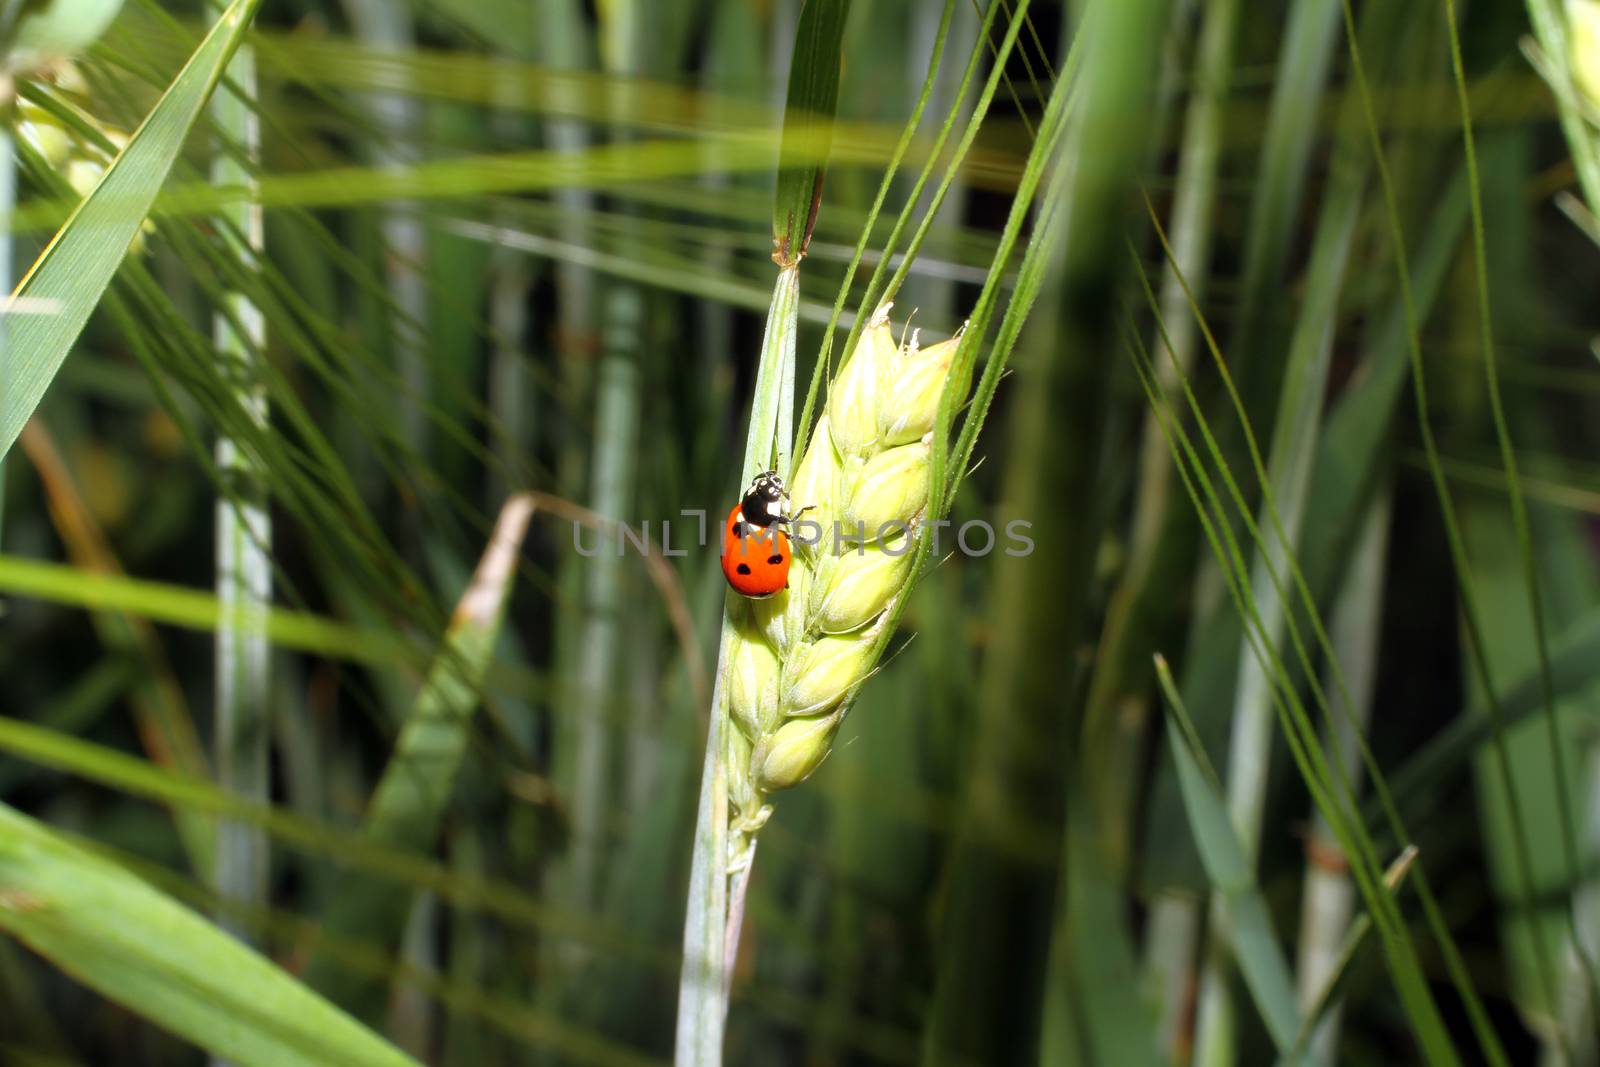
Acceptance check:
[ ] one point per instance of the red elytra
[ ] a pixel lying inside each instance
(755, 559)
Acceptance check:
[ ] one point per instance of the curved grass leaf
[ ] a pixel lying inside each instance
(142, 949)
(79, 263)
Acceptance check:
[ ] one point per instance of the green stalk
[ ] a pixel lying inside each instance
(1328, 899)
(244, 532)
(511, 393)
(715, 909)
(1302, 73)
(387, 26)
(1293, 448)
(588, 744)
(1190, 232)
(564, 44)
(584, 745)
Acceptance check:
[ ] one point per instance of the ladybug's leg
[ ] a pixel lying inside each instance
(792, 519)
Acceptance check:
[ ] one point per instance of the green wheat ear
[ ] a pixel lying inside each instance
(799, 657)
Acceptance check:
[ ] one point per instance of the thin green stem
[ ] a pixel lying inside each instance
(1453, 538)
(243, 685)
(713, 915)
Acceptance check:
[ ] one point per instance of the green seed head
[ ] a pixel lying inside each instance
(789, 755)
(752, 680)
(861, 582)
(816, 480)
(43, 133)
(892, 488)
(57, 29)
(801, 654)
(915, 381)
(819, 673)
(854, 399)
(782, 617)
(745, 801)
(1583, 22)
(84, 174)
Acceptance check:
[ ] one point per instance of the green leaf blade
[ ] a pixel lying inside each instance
(813, 101)
(73, 272)
(142, 949)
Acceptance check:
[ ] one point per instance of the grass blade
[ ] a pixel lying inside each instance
(195, 610)
(144, 950)
(807, 126)
(79, 263)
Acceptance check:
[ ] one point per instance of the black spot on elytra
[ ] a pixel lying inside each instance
(744, 568)
(773, 561)
(741, 530)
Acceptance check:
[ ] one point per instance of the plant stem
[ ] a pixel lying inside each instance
(595, 687)
(1296, 431)
(715, 910)
(1329, 897)
(243, 531)
(387, 26)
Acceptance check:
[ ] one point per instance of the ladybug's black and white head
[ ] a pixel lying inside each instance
(766, 501)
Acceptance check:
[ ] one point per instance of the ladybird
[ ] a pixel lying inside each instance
(755, 550)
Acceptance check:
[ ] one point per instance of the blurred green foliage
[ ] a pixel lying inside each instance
(1278, 327)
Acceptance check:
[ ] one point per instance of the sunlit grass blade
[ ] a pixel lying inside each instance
(196, 610)
(351, 850)
(139, 947)
(79, 263)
